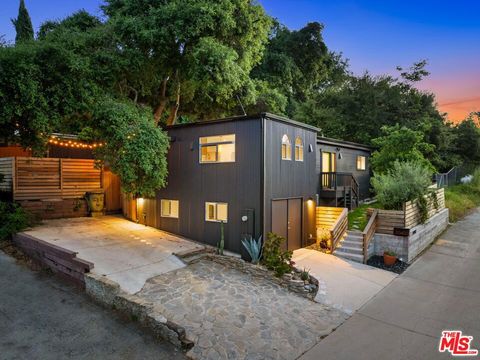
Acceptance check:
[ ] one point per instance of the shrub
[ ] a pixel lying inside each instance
(462, 199)
(274, 258)
(12, 219)
(406, 181)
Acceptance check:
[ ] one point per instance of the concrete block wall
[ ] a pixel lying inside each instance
(408, 248)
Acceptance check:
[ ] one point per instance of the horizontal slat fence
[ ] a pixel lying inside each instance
(410, 216)
(51, 178)
(7, 169)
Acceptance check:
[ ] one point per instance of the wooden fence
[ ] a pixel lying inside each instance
(410, 216)
(53, 179)
(143, 211)
(333, 219)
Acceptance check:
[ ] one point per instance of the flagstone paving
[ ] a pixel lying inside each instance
(231, 315)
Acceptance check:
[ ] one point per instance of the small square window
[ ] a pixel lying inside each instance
(216, 212)
(169, 208)
(361, 162)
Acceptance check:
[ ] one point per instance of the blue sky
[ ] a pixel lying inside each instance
(374, 35)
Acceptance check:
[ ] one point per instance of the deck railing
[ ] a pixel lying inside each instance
(368, 233)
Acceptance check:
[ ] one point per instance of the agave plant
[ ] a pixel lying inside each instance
(254, 248)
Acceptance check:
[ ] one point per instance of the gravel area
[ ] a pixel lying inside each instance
(231, 315)
(377, 261)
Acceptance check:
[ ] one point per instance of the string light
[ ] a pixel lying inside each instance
(74, 144)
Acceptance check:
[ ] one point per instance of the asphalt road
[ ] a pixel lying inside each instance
(439, 291)
(42, 317)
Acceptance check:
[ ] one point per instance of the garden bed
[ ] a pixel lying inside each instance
(398, 268)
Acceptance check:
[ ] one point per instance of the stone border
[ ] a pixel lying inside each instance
(109, 294)
(307, 289)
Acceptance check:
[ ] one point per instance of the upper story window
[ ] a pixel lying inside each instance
(217, 149)
(361, 162)
(169, 208)
(298, 149)
(216, 212)
(286, 148)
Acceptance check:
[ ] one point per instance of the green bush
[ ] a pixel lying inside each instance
(12, 219)
(274, 258)
(462, 199)
(406, 181)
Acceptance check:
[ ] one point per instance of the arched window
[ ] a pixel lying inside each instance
(286, 148)
(298, 149)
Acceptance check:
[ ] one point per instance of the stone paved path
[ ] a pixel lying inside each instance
(230, 315)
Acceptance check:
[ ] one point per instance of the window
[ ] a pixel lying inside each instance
(216, 211)
(298, 149)
(361, 162)
(169, 208)
(217, 149)
(286, 148)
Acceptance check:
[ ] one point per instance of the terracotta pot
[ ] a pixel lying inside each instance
(389, 260)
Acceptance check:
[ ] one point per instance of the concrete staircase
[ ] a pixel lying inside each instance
(351, 247)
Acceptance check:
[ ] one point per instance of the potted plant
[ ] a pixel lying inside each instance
(389, 257)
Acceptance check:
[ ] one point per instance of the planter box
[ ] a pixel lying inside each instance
(409, 217)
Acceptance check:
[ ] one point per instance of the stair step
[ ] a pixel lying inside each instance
(348, 256)
(349, 249)
(353, 244)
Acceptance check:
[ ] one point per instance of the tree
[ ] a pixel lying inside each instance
(400, 144)
(135, 149)
(297, 64)
(23, 24)
(467, 142)
(190, 57)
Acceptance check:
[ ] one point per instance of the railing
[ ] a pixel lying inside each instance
(341, 181)
(368, 233)
(339, 228)
(447, 179)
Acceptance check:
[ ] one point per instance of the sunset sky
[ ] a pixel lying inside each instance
(374, 35)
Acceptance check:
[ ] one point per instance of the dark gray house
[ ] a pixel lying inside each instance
(256, 174)
(343, 170)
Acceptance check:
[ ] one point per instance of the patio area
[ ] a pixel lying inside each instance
(123, 251)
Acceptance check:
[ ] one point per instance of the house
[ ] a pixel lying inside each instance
(344, 173)
(256, 174)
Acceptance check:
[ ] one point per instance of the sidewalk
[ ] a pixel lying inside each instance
(440, 291)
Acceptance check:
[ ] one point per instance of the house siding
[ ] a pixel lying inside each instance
(192, 183)
(347, 164)
(289, 178)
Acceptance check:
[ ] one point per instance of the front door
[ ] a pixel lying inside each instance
(287, 221)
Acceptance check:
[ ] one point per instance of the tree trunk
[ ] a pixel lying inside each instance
(163, 102)
(172, 118)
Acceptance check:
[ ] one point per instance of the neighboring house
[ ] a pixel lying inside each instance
(257, 174)
(344, 172)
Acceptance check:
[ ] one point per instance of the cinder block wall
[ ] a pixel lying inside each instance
(408, 248)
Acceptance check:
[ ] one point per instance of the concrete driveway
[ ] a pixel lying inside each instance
(440, 291)
(343, 284)
(123, 251)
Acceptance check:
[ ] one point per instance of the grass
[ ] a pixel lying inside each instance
(464, 198)
(357, 219)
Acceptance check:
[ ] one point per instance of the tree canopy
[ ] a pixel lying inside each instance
(153, 63)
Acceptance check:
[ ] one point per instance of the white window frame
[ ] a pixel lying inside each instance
(207, 204)
(299, 147)
(216, 144)
(288, 148)
(360, 168)
(170, 214)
